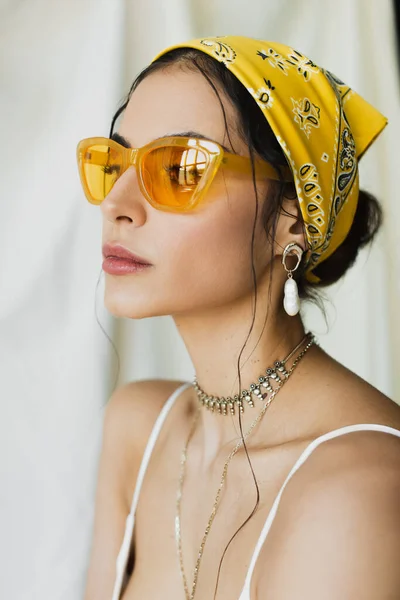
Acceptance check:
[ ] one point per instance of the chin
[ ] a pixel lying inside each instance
(123, 305)
(134, 308)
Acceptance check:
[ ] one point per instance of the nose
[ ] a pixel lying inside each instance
(125, 200)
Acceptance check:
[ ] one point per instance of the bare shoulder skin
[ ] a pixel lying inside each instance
(129, 417)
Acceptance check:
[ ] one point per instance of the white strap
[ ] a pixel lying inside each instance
(151, 442)
(122, 557)
(123, 554)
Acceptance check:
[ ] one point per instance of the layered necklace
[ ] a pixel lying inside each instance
(279, 374)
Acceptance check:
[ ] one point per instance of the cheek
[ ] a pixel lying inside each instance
(200, 260)
(208, 254)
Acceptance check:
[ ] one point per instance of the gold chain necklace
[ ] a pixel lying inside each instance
(190, 595)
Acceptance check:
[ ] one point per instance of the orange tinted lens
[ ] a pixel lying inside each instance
(101, 167)
(172, 174)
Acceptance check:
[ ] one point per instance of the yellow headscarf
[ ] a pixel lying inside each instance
(322, 125)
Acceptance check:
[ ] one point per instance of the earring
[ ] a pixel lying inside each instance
(291, 300)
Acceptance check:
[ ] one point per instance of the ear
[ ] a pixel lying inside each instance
(290, 226)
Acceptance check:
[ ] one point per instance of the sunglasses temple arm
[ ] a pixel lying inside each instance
(243, 165)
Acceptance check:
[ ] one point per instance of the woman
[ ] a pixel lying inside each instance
(243, 199)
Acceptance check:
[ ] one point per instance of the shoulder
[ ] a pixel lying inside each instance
(337, 530)
(130, 415)
(141, 400)
(352, 463)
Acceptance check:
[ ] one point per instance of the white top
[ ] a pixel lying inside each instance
(130, 521)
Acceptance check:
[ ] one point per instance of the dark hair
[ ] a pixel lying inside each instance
(257, 133)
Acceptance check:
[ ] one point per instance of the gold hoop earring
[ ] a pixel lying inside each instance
(291, 300)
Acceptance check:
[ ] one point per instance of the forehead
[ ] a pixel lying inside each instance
(172, 101)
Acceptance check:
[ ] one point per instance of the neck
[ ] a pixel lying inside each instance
(214, 340)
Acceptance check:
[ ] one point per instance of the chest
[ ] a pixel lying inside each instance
(233, 535)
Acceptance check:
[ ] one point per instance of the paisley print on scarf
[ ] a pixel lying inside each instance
(322, 125)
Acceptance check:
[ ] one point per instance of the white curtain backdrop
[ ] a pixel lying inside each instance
(65, 67)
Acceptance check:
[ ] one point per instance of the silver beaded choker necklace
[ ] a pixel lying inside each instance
(277, 373)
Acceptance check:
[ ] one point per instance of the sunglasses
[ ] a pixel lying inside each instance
(174, 173)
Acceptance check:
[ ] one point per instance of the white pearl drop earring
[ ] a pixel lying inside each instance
(291, 300)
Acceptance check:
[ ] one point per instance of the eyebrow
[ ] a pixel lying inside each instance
(124, 142)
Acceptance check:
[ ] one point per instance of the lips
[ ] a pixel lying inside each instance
(117, 251)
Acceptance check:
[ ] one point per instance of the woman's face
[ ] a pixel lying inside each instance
(201, 259)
